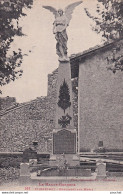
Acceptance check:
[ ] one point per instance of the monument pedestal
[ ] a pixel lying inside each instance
(64, 104)
(64, 134)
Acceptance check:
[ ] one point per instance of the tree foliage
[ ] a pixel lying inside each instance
(110, 18)
(109, 22)
(64, 96)
(10, 12)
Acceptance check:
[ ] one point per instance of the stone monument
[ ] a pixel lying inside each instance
(24, 173)
(64, 134)
(101, 170)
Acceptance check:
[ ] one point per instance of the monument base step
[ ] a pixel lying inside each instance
(57, 178)
(24, 179)
(70, 159)
(101, 177)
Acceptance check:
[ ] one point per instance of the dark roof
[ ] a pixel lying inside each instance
(76, 59)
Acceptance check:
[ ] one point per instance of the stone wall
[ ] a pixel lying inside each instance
(7, 102)
(75, 104)
(100, 102)
(26, 124)
(9, 174)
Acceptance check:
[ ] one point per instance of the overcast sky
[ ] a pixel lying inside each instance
(40, 40)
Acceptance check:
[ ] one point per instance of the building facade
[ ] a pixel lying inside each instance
(100, 102)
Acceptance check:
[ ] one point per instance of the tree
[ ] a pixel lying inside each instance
(10, 12)
(109, 22)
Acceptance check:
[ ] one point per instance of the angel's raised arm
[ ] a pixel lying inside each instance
(52, 9)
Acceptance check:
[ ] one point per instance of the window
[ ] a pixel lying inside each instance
(100, 144)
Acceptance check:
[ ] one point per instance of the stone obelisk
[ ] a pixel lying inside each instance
(64, 134)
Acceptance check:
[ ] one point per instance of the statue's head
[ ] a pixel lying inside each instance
(60, 12)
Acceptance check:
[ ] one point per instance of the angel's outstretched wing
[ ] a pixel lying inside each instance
(69, 9)
(52, 9)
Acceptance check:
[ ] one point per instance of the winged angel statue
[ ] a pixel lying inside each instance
(62, 20)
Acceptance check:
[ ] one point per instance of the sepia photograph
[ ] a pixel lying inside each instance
(61, 95)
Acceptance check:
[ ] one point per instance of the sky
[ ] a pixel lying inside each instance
(39, 45)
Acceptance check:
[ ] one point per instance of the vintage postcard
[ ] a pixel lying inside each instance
(61, 95)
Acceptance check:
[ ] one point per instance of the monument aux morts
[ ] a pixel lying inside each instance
(64, 134)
